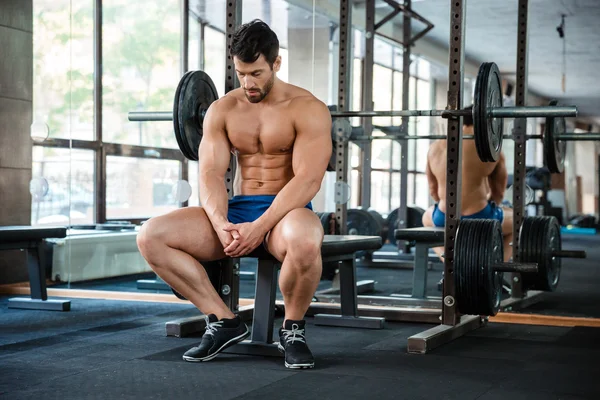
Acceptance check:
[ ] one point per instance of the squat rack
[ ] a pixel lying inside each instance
(453, 324)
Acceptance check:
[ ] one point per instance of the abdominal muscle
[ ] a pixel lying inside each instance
(262, 174)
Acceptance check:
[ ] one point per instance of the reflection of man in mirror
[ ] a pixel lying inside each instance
(483, 187)
(281, 137)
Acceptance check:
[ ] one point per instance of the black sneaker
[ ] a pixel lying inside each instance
(293, 343)
(218, 336)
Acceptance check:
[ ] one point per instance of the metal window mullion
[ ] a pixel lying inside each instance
(185, 55)
(366, 147)
(450, 314)
(519, 136)
(100, 155)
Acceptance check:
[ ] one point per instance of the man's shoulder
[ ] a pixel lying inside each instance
(225, 103)
(302, 99)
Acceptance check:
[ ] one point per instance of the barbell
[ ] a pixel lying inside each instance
(554, 138)
(196, 92)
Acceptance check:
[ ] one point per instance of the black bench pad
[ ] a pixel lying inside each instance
(334, 245)
(423, 234)
(12, 234)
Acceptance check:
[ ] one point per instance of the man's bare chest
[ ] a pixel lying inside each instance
(270, 132)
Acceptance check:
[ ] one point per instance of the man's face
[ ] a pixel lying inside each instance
(256, 78)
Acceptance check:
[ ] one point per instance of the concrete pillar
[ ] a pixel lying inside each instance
(16, 98)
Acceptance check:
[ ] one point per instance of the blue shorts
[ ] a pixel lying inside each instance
(250, 208)
(491, 211)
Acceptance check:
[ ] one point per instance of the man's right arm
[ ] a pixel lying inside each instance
(214, 154)
(432, 180)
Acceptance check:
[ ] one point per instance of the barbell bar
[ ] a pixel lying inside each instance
(500, 112)
(506, 112)
(196, 92)
(569, 137)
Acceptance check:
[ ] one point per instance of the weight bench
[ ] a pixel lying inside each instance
(335, 248)
(424, 238)
(31, 239)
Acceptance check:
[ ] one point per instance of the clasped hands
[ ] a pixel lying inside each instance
(240, 239)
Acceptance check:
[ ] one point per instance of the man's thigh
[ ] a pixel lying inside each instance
(189, 229)
(300, 224)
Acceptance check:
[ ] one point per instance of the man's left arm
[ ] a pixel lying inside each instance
(310, 157)
(498, 180)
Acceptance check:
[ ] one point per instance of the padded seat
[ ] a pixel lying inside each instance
(424, 238)
(333, 245)
(12, 234)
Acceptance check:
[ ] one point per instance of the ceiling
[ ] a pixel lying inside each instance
(491, 35)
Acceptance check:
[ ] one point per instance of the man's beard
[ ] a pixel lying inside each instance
(261, 93)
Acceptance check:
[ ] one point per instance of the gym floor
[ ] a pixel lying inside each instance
(118, 349)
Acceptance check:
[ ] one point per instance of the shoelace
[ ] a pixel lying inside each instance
(294, 335)
(211, 327)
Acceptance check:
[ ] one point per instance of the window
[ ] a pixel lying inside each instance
(140, 188)
(194, 44)
(215, 57)
(141, 68)
(63, 68)
(68, 198)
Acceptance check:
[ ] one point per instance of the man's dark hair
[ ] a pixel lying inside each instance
(253, 39)
(468, 119)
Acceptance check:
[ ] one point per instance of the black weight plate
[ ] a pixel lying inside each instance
(331, 164)
(361, 222)
(383, 229)
(478, 248)
(326, 218)
(414, 219)
(178, 135)
(554, 149)
(195, 93)
(539, 237)
(488, 130)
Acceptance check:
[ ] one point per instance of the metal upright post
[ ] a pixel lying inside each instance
(402, 213)
(230, 271)
(453, 324)
(454, 159)
(344, 82)
(366, 147)
(519, 136)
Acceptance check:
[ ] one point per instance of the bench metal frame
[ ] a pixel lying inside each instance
(38, 300)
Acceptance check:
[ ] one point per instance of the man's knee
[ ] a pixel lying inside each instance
(150, 236)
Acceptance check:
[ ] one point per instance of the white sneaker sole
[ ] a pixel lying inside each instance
(224, 346)
(295, 366)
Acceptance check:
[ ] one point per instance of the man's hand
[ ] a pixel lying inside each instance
(225, 237)
(246, 237)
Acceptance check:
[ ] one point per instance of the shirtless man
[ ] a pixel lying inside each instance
(280, 134)
(483, 187)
